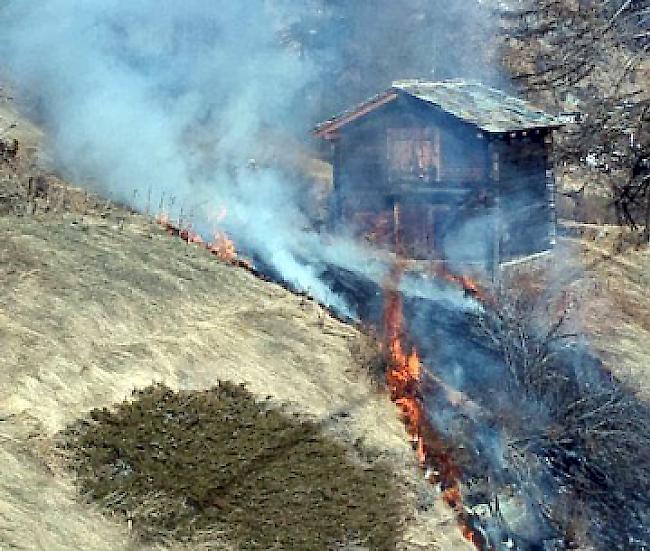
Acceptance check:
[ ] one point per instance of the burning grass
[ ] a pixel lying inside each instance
(196, 466)
(555, 449)
(404, 381)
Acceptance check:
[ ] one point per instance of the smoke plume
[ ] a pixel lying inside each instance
(187, 107)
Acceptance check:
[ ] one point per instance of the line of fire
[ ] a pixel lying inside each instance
(459, 176)
(449, 172)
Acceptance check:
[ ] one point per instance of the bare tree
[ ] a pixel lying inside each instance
(595, 50)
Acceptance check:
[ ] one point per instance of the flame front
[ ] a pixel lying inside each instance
(221, 246)
(403, 377)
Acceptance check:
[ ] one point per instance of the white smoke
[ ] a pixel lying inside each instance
(159, 103)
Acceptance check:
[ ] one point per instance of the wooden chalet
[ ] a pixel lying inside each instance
(452, 171)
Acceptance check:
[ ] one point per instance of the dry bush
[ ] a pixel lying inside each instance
(370, 355)
(580, 428)
(593, 209)
(198, 466)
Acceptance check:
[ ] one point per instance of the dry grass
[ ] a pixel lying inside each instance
(616, 314)
(369, 354)
(97, 302)
(89, 312)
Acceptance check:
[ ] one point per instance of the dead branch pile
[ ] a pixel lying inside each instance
(588, 431)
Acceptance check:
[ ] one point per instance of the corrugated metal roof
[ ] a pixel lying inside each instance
(489, 109)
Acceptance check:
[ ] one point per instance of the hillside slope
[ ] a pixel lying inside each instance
(95, 301)
(615, 288)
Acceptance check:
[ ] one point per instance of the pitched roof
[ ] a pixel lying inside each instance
(491, 110)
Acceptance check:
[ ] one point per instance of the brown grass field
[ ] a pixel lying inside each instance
(615, 305)
(96, 302)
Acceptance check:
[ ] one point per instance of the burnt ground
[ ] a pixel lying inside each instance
(551, 446)
(96, 302)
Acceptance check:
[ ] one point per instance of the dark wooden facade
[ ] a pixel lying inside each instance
(411, 176)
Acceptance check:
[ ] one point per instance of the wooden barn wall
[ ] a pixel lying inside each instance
(362, 186)
(525, 199)
(463, 156)
(431, 174)
(410, 155)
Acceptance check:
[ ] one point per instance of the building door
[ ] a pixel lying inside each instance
(416, 226)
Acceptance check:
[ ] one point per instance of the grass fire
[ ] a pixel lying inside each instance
(324, 276)
(403, 379)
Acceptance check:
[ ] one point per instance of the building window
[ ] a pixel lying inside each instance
(414, 153)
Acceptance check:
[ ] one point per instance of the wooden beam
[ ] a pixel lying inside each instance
(494, 159)
(396, 226)
(551, 191)
(328, 130)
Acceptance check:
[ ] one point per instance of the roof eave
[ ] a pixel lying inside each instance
(328, 129)
(504, 131)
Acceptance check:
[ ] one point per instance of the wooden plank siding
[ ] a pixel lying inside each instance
(526, 201)
(411, 172)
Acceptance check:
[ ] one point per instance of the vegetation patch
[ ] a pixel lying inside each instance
(217, 465)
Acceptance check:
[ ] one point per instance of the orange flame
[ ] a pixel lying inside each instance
(187, 234)
(403, 375)
(164, 220)
(222, 247)
(403, 380)
(471, 286)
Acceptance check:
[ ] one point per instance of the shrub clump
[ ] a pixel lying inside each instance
(217, 465)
